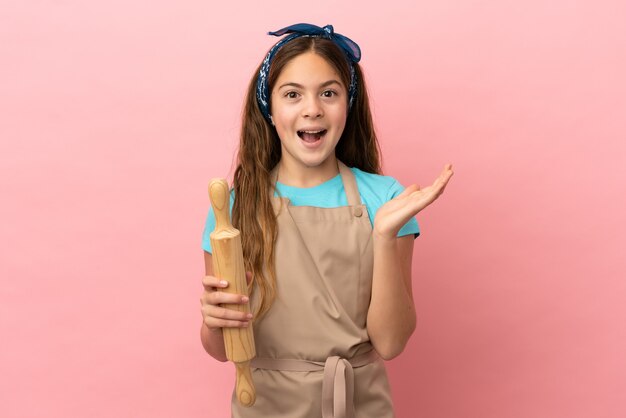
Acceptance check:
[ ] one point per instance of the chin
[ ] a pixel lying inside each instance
(311, 163)
(315, 159)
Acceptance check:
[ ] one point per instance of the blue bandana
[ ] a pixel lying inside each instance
(349, 47)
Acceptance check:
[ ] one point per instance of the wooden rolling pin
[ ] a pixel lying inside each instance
(228, 265)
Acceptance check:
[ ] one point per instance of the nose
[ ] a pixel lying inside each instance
(312, 108)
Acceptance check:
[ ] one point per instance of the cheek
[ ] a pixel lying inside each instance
(281, 121)
(284, 119)
(340, 116)
(339, 111)
(283, 125)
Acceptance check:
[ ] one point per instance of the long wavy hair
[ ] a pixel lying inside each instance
(260, 151)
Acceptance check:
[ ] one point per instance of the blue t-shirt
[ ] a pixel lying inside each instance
(375, 190)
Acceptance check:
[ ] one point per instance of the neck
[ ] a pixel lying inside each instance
(297, 175)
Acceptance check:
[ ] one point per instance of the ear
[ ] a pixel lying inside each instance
(271, 120)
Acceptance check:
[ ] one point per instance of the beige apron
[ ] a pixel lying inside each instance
(314, 357)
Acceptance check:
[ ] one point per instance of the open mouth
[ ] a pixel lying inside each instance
(312, 136)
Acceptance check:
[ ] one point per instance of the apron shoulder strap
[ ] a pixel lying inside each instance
(349, 183)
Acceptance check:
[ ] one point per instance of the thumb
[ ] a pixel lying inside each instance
(412, 188)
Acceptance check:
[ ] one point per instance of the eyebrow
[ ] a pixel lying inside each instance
(300, 86)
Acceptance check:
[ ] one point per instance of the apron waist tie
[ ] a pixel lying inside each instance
(338, 383)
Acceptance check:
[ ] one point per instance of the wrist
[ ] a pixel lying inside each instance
(383, 238)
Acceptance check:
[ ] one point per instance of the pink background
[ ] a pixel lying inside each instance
(115, 115)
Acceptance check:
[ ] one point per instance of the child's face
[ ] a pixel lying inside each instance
(309, 109)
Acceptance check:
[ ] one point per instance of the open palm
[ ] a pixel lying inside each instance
(395, 213)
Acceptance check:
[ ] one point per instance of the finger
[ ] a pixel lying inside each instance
(220, 312)
(443, 178)
(224, 323)
(446, 169)
(212, 282)
(427, 195)
(218, 298)
(441, 183)
(447, 173)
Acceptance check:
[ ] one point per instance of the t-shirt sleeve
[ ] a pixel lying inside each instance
(411, 227)
(209, 225)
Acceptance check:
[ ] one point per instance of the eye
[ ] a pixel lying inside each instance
(329, 93)
(291, 95)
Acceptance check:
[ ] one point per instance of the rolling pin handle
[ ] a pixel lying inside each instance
(220, 200)
(246, 392)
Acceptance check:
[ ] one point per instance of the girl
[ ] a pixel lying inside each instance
(327, 240)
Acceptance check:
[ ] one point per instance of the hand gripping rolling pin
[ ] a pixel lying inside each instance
(228, 264)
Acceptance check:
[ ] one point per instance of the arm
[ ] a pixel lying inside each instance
(391, 316)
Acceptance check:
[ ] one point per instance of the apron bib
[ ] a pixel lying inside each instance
(314, 358)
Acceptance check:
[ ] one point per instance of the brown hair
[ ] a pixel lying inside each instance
(260, 151)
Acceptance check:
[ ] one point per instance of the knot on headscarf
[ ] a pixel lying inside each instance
(348, 46)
